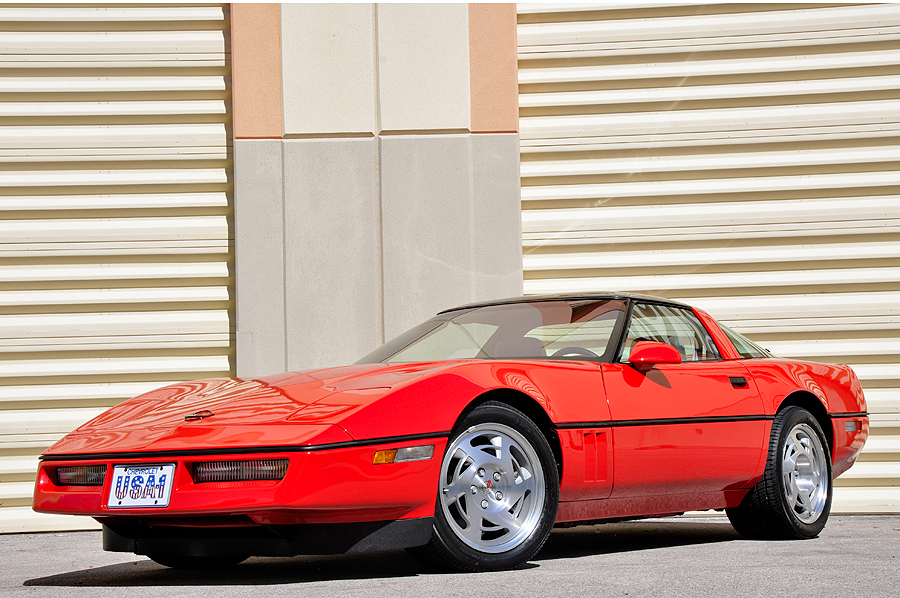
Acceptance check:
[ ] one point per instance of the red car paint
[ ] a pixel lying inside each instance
(632, 441)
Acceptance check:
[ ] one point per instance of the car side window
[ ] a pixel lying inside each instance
(745, 347)
(671, 325)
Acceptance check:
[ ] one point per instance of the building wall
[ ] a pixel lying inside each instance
(742, 158)
(115, 208)
(376, 173)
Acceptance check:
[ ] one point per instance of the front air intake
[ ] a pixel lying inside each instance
(239, 471)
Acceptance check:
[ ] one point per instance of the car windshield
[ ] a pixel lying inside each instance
(555, 329)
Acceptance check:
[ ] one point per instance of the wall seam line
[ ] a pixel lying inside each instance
(284, 288)
(473, 266)
(281, 83)
(379, 234)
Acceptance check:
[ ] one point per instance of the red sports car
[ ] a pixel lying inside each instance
(467, 438)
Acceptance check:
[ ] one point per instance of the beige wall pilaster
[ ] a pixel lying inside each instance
(494, 68)
(379, 206)
(256, 71)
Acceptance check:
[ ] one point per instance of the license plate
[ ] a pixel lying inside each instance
(141, 486)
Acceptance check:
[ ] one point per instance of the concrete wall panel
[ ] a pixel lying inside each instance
(497, 232)
(332, 240)
(427, 222)
(259, 247)
(423, 67)
(328, 53)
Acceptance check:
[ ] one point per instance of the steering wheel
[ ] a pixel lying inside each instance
(574, 351)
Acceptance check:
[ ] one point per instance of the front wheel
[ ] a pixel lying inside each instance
(793, 499)
(497, 495)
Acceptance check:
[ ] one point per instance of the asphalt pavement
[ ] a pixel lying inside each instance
(685, 556)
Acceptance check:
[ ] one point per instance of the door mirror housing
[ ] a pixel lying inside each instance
(647, 354)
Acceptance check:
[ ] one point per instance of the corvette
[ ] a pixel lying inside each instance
(467, 438)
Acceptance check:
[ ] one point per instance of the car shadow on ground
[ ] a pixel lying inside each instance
(563, 544)
(255, 571)
(632, 536)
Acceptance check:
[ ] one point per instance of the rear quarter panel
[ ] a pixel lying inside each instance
(835, 386)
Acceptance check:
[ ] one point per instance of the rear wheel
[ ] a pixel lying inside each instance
(196, 562)
(498, 493)
(793, 499)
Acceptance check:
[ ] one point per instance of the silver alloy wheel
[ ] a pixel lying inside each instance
(492, 488)
(804, 473)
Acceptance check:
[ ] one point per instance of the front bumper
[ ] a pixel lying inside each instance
(321, 486)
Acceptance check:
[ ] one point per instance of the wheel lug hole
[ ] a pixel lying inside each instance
(499, 496)
(484, 504)
(474, 490)
(481, 472)
(496, 476)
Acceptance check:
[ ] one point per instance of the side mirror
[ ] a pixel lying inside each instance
(647, 354)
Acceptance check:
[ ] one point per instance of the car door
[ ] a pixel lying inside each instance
(692, 427)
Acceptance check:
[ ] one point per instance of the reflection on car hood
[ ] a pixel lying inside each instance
(230, 412)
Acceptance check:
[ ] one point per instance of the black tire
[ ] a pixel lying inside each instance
(793, 502)
(512, 496)
(197, 562)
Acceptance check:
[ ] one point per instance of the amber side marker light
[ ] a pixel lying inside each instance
(80, 475)
(402, 455)
(239, 471)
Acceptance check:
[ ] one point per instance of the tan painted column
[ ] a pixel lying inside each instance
(258, 188)
(256, 71)
(494, 76)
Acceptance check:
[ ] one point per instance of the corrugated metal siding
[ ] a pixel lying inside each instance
(115, 242)
(742, 158)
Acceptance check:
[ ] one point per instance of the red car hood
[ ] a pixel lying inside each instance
(232, 412)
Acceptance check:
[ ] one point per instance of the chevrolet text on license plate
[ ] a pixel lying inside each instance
(141, 486)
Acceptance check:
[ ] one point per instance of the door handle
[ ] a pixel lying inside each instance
(738, 381)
